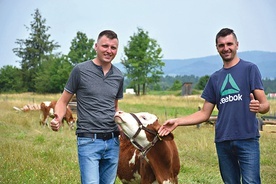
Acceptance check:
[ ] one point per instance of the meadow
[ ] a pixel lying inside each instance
(34, 154)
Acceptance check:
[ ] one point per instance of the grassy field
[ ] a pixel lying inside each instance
(33, 154)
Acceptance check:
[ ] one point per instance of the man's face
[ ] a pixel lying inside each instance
(106, 49)
(227, 47)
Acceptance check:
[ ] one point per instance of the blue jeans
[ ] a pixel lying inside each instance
(98, 160)
(239, 161)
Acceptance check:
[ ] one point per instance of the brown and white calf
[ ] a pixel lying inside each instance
(47, 110)
(144, 156)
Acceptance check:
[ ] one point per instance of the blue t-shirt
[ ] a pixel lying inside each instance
(229, 89)
(96, 94)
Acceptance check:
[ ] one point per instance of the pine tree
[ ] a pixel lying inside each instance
(34, 50)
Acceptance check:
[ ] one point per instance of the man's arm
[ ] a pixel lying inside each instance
(259, 103)
(60, 110)
(116, 105)
(193, 119)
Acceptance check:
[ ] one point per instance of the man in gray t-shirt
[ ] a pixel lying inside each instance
(98, 86)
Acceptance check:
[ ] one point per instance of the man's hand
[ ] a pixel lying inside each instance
(254, 105)
(167, 127)
(55, 123)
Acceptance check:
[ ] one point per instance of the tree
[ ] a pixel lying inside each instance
(81, 49)
(34, 50)
(142, 62)
(202, 82)
(53, 75)
(176, 85)
(10, 79)
(269, 85)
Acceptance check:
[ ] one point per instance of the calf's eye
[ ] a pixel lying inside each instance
(144, 117)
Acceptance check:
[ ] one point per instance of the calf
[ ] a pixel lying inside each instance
(144, 156)
(47, 110)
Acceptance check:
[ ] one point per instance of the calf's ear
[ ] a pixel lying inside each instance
(168, 137)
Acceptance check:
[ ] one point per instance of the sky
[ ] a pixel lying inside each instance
(184, 29)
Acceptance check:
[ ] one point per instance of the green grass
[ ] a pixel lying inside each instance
(33, 154)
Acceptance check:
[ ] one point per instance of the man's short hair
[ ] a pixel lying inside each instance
(109, 34)
(225, 32)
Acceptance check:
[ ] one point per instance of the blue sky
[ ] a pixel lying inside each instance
(183, 28)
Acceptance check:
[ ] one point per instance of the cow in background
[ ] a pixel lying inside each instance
(144, 156)
(47, 110)
(28, 107)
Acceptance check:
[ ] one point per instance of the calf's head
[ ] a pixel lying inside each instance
(142, 127)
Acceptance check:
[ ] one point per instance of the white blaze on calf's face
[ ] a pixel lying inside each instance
(47, 103)
(51, 112)
(130, 126)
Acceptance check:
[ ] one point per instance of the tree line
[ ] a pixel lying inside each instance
(45, 70)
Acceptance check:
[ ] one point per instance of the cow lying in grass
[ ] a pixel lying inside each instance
(47, 110)
(144, 156)
(28, 107)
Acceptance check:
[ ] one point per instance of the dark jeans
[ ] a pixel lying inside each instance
(239, 161)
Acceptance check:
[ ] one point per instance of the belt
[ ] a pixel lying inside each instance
(104, 136)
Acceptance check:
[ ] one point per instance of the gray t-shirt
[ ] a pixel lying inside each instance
(95, 95)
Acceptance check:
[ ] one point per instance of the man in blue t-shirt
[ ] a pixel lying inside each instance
(237, 92)
(98, 86)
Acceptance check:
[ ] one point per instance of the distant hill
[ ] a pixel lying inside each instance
(266, 61)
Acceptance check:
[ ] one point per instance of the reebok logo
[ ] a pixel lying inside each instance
(228, 88)
(230, 98)
(229, 80)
